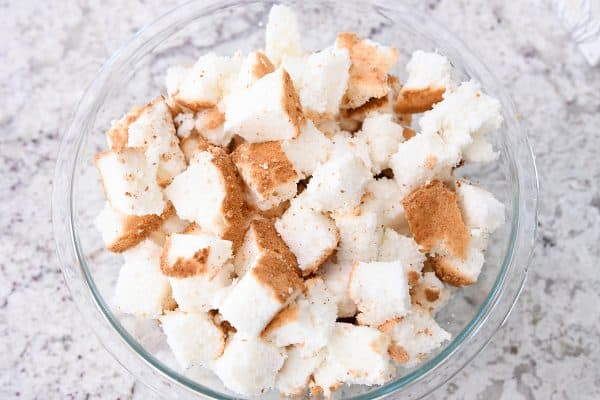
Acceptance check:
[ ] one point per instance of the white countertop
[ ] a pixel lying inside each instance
(549, 348)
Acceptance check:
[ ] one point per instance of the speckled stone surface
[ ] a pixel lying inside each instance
(549, 348)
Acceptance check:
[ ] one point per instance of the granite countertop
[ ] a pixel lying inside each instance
(549, 347)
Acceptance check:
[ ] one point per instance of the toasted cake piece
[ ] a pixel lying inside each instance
(268, 110)
(463, 113)
(422, 159)
(336, 276)
(414, 337)
(261, 238)
(429, 293)
(267, 287)
(308, 150)
(462, 271)
(310, 235)
(384, 197)
(479, 207)
(396, 247)
(308, 321)
(186, 255)
(435, 220)
(321, 79)
(118, 135)
(249, 365)
(293, 378)
(360, 237)
(185, 124)
(429, 74)
(346, 144)
(129, 182)
(210, 193)
(255, 66)
(142, 290)
(267, 172)
(355, 355)
(338, 184)
(205, 83)
(380, 291)
(370, 64)
(195, 143)
(382, 135)
(210, 123)
(282, 34)
(121, 232)
(154, 131)
(202, 292)
(193, 337)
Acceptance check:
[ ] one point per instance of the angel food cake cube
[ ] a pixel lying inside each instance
(268, 174)
(360, 237)
(293, 378)
(336, 276)
(310, 235)
(321, 79)
(380, 291)
(370, 64)
(249, 365)
(382, 136)
(479, 208)
(261, 239)
(202, 292)
(307, 322)
(193, 337)
(142, 289)
(282, 34)
(429, 74)
(384, 197)
(154, 131)
(209, 192)
(255, 66)
(129, 182)
(308, 150)
(355, 355)
(268, 286)
(186, 255)
(268, 110)
(396, 247)
(429, 293)
(414, 337)
(422, 159)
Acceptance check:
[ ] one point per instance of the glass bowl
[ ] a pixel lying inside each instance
(135, 74)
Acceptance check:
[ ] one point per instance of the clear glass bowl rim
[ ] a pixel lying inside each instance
(466, 345)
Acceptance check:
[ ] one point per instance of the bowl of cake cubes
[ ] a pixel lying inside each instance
(297, 199)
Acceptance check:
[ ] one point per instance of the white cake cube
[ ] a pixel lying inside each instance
(458, 271)
(480, 151)
(121, 232)
(430, 293)
(186, 255)
(414, 337)
(355, 355)
(268, 286)
(308, 150)
(384, 197)
(118, 135)
(268, 174)
(142, 289)
(396, 247)
(202, 292)
(129, 182)
(479, 208)
(380, 291)
(282, 34)
(205, 83)
(293, 378)
(268, 110)
(210, 193)
(185, 124)
(308, 321)
(338, 184)
(249, 365)
(345, 144)
(360, 237)
(193, 337)
(210, 123)
(370, 64)
(310, 235)
(382, 135)
(422, 159)
(464, 112)
(429, 75)
(260, 239)
(154, 131)
(336, 276)
(321, 79)
(255, 66)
